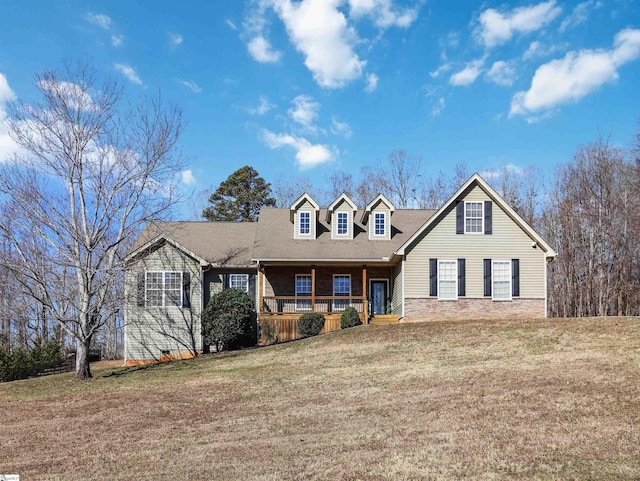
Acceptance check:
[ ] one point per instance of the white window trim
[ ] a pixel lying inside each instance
(164, 303)
(337, 214)
(493, 280)
(243, 275)
(348, 303)
(384, 225)
(481, 216)
(303, 305)
(455, 263)
(300, 233)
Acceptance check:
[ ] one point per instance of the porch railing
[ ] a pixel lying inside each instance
(302, 304)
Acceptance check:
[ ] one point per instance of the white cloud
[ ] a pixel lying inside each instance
(128, 72)
(497, 27)
(372, 83)
(7, 146)
(537, 49)
(304, 111)
(73, 94)
(100, 19)
(116, 40)
(467, 75)
(262, 108)
(320, 32)
(231, 25)
(383, 13)
(580, 14)
(438, 108)
(576, 75)
(445, 67)
(191, 86)
(308, 155)
(260, 49)
(341, 128)
(175, 40)
(502, 73)
(188, 178)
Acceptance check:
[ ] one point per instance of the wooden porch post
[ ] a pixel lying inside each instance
(365, 304)
(313, 288)
(260, 289)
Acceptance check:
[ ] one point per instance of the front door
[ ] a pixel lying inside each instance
(379, 296)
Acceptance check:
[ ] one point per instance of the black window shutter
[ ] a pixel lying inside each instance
(487, 217)
(515, 277)
(433, 277)
(461, 278)
(141, 289)
(487, 277)
(186, 289)
(459, 217)
(225, 281)
(252, 286)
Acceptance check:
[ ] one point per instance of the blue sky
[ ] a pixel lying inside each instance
(315, 86)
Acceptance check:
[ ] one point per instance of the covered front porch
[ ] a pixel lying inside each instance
(287, 291)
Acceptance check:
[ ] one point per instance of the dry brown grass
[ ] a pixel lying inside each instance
(537, 399)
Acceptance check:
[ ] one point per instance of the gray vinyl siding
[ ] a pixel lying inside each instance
(396, 297)
(151, 330)
(343, 207)
(508, 241)
(305, 207)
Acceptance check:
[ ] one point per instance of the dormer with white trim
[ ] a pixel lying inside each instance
(340, 216)
(377, 215)
(304, 215)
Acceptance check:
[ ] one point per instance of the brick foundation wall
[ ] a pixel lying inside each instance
(420, 310)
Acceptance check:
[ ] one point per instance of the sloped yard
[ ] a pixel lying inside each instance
(537, 399)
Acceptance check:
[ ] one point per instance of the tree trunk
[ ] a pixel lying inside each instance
(83, 370)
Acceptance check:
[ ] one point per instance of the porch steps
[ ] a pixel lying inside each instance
(380, 319)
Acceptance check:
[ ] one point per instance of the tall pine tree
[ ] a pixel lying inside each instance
(240, 197)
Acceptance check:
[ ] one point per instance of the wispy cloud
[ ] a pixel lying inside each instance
(188, 178)
(191, 86)
(383, 13)
(502, 73)
(372, 83)
(175, 40)
(305, 111)
(341, 128)
(262, 108)
(261, 50)
(580, 14)
(576, 75)
(438, 107)
(105, 23)
(468, 74)
(129, 72)
(308, 155)
(496, 27)
(230, 24)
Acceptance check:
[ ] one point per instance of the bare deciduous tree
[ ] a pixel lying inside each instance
(402, 173)
(92, 173)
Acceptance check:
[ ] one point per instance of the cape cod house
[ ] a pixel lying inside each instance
(472, 258)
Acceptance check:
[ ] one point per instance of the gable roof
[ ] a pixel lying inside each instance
(275, 242)
(475, 179)
(296, 204)
(380, 198)
(341, 198)
(219, 244)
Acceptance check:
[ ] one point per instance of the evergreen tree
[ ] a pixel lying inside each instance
(240, 197)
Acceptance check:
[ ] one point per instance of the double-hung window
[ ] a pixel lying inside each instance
(501, 279)
(343, 219)
(303, 289)
(379, 224)
(473, 217)
(163, 288)
(447, 280)
(341, 288)
(305, 222)
(239, 282)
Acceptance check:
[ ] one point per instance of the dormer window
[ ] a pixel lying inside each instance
(380, 224)
(343, 219)
(305, 223)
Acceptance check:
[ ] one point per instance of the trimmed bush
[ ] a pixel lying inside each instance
(310, 324)
(350, 318)
(229, 321)
(20, 363)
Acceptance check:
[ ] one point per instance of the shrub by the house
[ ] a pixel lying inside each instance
(310, 324)
(229, 321)
(350, 318)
